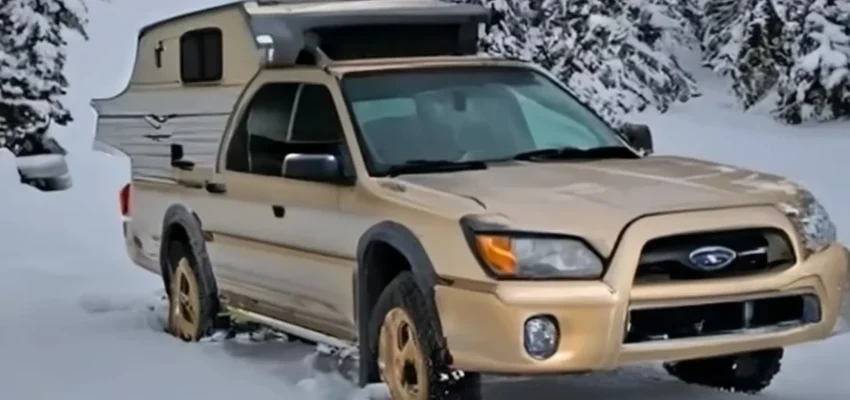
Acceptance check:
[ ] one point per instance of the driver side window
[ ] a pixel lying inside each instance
(282, 119)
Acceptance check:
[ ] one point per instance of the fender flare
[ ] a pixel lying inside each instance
(405, 242)
(180, 215)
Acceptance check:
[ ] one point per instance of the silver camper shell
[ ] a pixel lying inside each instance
(160, 107)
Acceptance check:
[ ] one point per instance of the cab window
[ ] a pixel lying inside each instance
(282, 119)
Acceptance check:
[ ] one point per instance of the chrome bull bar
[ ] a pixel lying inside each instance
(842, 325)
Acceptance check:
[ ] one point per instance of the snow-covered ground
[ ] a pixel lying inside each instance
(79, 321)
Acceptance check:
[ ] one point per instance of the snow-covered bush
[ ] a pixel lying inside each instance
(816, 86)
(32, 59)
(615, 55)
(800, 48)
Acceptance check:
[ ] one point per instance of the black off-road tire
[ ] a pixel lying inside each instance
(207, 289)
(403, 292)
(745, 373)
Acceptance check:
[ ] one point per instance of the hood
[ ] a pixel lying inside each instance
(597, 199)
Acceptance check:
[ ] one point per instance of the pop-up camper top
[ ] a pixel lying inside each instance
(191, 69)
(353, 29)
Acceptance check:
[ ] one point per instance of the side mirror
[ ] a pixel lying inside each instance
(639, 136)
(314, 168)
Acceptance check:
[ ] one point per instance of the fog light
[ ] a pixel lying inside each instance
(541, 337)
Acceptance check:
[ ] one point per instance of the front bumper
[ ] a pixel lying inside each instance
(484, 328)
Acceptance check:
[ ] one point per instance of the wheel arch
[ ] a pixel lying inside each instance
(181, 223)
(370, 280)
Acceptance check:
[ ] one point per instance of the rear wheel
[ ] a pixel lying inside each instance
(410, 361)
(191, 309)
(746, 372)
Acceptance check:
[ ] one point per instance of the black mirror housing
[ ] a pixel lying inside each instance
(639, 136)
(323, 168)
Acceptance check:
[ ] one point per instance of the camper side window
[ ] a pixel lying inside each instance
(201, 56)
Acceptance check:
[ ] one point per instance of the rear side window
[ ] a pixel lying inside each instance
(201, 56)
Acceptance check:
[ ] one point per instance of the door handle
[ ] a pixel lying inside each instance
(278, 211)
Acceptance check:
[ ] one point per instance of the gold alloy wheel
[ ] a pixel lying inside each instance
(184, 303)
(400, 359)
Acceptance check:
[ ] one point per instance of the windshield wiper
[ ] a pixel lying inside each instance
(427, 166)
(574, 153)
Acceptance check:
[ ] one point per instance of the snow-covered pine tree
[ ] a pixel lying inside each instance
(722, 35)
(816, 86)
(762, 57)
(32, 59)
(615, 55)
(679, 21)
(743, 39)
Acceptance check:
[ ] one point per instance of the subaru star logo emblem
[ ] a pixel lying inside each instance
(712, 258)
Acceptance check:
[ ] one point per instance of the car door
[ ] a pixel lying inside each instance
(279, 239)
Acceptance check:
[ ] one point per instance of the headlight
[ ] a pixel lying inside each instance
(530, 257)
(811, 221)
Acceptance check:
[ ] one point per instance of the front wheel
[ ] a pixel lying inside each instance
(746, 372)
(410, 362)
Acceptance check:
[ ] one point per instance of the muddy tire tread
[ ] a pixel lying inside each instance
(403, 292)
(718, 372)
(206, 284)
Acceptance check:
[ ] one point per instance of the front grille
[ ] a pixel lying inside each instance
(752, 316)
(757, 251)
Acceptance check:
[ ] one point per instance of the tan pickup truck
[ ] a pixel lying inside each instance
(352, 173)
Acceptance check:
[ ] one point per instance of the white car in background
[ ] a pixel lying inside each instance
(47, 169)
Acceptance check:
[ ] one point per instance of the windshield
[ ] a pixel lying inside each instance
(466, 114)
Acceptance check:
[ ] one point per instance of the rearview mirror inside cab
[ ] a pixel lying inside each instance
(639, 136)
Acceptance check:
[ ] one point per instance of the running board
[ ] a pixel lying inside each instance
(286, 327)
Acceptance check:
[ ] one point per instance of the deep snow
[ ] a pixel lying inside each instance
(81, 322)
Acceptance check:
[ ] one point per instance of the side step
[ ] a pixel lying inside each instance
(285, 327)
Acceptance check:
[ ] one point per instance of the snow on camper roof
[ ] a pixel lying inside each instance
(347, 29)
